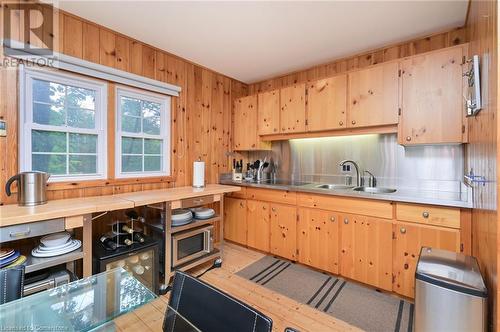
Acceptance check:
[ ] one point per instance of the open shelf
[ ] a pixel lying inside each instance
(38, 263)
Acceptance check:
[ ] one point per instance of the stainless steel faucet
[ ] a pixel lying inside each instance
(372, 181)
(358, 174)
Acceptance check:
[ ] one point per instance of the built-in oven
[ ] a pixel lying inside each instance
(192, 244)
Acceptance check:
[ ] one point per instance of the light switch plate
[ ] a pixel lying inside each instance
(3, 128)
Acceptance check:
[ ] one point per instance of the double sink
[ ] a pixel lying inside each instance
(371, 190)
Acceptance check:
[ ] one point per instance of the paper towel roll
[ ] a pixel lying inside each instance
(199, 174)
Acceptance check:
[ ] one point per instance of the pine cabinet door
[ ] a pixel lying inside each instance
(293, 109)
(432, 108)
(327, 103)
(235, 220)
(284, 231)
(258, 222)
(269, 112)
(409, 239)
(318, 239)
(366, 250)
(374, 97)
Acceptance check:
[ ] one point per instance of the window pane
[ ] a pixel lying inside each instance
(130, 106)
(131, 163)
(152, 163)
(152, 146)
(82, 164)
(53, 164)
(48, 141)
(82, 143)
(79, 97)
(150, 109)
(131, 145)
(152, 125)
(48, 92)
(49, 114)
(131, 125)
(81, 118)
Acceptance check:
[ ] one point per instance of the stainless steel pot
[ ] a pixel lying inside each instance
(31, 188)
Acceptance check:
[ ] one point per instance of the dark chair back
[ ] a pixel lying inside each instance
(210, 309)
(11, 284)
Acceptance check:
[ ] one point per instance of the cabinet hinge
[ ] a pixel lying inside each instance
(297, 218)
(464, 60)
(461, 247)
(393, 278)
(307, 122)
(297, 252)
(399, 111)
(394, 235)
(463, 129)
(399, 72)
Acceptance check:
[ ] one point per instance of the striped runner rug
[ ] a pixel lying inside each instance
(353, 303)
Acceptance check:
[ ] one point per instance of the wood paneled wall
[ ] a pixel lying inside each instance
(433, 42)
(482, 152)
(201, 115)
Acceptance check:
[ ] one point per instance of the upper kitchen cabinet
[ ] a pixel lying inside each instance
(327, 103)
(245, 135)
(269, 113)
(293, 109)
(373, 96)
(432, 110)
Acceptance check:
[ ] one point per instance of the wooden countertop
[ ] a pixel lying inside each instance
(14, 214)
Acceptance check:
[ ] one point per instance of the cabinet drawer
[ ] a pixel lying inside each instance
(429, 215)
(38, 228)
(367, 207)
(238, 194)
(270, 195)
(197, 201)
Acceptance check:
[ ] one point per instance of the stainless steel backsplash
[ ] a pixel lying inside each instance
(439, 167)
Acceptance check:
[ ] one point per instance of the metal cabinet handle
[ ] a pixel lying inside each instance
(346, 221)
(353, 122)
(341, 123)
(425, 214)
(273, 209)
(332, 218)
(20, 234)
(408, 138)
(402, 230)
(241, 204)
(264, 207)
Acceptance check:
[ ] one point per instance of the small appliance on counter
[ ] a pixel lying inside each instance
(450, 294)
(139, 259)
(31, 188)
(237, 170)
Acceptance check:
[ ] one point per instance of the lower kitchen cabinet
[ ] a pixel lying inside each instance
(409, 239)
(235, 220)
(318, 239)
(366, 250)
(284, 231)
(258, 225)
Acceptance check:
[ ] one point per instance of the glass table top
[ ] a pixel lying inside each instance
(82, 305)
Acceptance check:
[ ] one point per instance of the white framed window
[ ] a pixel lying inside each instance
(62, 125)
(143, 134)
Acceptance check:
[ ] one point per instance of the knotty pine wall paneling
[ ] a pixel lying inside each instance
(433, 42)
(201, 115)
(482, 151)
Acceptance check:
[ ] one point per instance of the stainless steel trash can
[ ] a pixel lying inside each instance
(450, 294)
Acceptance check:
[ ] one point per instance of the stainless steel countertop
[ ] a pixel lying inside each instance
(451, 199)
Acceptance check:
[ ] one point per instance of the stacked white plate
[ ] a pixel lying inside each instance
(181, 217)
(203, 213)
(55, 245)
